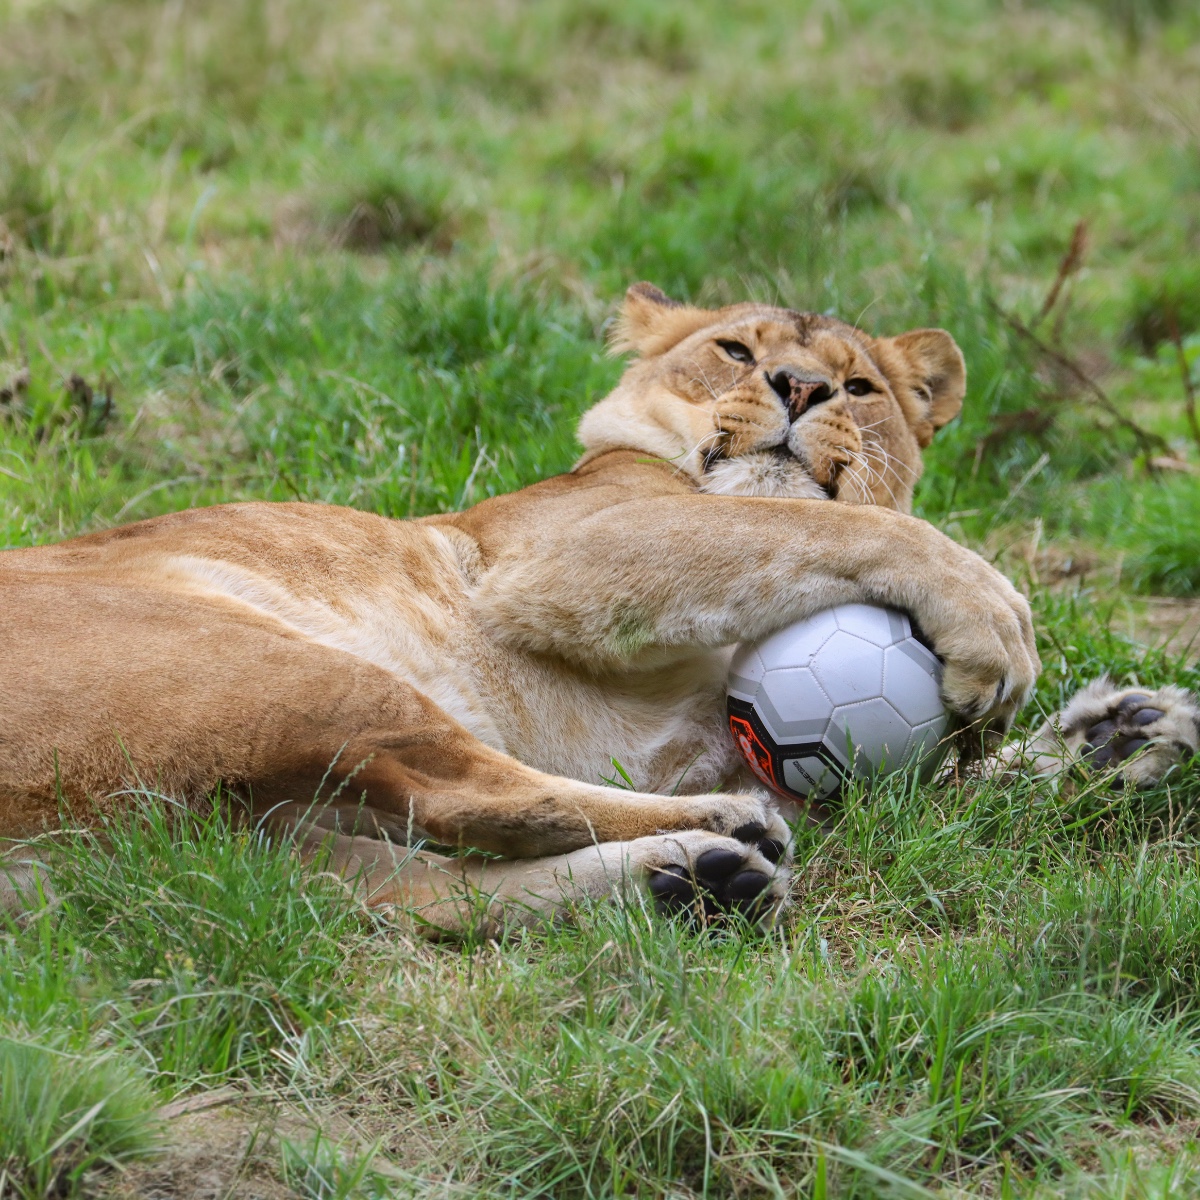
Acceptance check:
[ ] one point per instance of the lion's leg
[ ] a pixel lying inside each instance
(1144, 732)
(644, 582)
(211, 691)
(437, 783)
(454, 896)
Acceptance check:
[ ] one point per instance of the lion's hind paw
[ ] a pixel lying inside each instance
(1142, 731)
(705, 876)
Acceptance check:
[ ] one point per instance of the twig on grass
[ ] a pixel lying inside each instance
(1033, 421)
(1185, 373)
(200, 1102)
(1067, 267)
(1148, 441)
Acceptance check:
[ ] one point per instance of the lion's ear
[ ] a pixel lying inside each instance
(928, 365)
(651, 322)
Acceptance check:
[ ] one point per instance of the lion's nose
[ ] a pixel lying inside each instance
(799, 392)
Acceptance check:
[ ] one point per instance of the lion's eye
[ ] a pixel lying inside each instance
(859, 387)
(736, 351)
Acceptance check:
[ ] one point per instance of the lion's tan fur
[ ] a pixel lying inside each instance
(468, 678)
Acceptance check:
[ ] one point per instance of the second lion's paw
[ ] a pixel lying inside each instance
(1142, 731)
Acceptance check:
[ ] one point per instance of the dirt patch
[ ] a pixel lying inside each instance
(217, 1152)
(1170, 623)
(229, 1145)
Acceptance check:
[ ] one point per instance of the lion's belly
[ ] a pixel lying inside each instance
(395, 623)
(666, 729)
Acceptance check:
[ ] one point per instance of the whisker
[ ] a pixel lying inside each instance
(875, 475)
(881, 476)
(873, 424)
(891, 460)
(703, 445)
(712, 391)
(859, 464)
(866, 308)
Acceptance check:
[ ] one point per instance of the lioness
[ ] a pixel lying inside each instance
(465, 680)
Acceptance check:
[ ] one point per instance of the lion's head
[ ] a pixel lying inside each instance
(752, 400)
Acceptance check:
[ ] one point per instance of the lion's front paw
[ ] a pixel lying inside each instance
(1144, 733)
(707, 875)
(982, 629)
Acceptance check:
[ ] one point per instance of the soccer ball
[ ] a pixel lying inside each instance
(851, 691)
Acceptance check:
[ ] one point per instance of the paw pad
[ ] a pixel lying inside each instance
(1122, 733)
(1147, 716)
(772, 849)
(717, 864)
(672, 888)
(722, 881)
(754, 834)
(750, 832)
(745, 889)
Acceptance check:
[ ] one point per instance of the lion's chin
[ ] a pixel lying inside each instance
(762, 473)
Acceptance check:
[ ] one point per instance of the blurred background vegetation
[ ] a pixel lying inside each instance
(366, 253)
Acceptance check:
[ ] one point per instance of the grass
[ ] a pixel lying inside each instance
(186, 913)
(368, 255)
(63, 1114)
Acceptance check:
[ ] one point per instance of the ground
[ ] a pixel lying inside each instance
(367, 253)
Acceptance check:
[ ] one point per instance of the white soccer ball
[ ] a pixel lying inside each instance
(851, 691)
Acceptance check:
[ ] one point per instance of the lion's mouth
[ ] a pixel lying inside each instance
(718, 454)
